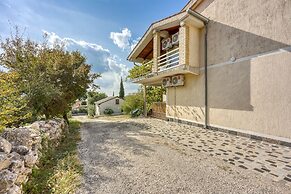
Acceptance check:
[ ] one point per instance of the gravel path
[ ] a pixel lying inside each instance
(127, 157)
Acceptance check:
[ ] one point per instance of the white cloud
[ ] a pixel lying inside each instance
(121, 39)
(102, 61)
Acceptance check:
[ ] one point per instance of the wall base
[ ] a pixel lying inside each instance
(244, 133)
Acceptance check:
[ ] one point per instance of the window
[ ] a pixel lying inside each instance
(117, 101)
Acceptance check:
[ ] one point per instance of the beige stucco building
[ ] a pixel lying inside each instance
(113, 102)
(234, 62)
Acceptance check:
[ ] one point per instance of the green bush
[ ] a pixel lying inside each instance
(133, 102)
(91, 110)
(108, 111)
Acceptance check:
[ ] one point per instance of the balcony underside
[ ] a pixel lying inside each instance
(155, 79)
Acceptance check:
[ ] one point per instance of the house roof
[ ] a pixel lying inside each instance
(192, 4)
(147, 37)
(168, 22)
(106, 99)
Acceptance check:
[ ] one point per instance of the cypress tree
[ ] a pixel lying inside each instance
(121, 90)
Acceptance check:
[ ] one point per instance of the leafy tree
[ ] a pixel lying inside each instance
(138, 71)
(153, 93)
(93, 97)
(121, 90)
(50, 77)
(13, 106)
(133, 102)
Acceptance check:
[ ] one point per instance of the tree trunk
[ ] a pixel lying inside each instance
(66, 118)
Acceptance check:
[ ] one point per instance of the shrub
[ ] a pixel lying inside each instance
(108, 111)
(91, 110)
(133, 102)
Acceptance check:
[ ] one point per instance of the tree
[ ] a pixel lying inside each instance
(93, 97)
(153, 93)
(50, 77)
(13, 106)
(133, 102)
(121, 90)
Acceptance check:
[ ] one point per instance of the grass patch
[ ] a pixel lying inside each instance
(59, 169)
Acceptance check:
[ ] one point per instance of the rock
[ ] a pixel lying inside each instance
(14, 156)
(30, 159)
(7, 180)
(4, 161)
(17, 166)
(22, 150)
(37, 125)
(5, 146)
(23, 136)
(22, 178)
(14, 190)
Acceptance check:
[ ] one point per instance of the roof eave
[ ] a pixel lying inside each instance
(147, 37)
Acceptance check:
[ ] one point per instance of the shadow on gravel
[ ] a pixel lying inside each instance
(103, 147)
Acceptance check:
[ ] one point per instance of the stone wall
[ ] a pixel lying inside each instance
(20, 150)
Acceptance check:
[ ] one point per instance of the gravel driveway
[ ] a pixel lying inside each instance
(125, 156)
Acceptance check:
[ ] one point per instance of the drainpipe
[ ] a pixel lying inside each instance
(206, 77)
(205, 21)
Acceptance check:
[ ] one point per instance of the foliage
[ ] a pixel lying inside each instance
(138, 71)
(108, 111)
(59, 170)
(121, 90)
(133, 102)
(83, 103)
(93, 97)
(154, 94)
(91, 110)
(49, 77)
(13, 106)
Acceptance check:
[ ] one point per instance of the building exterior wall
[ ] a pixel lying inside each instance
(249, 62)
(109, 104)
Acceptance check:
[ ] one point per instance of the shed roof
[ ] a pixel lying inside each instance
(106, 99)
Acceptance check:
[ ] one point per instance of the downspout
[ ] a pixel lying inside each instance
(206, 77)
(205, 21)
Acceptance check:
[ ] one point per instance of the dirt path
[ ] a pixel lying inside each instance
(126, 157)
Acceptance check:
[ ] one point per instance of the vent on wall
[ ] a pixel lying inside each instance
(167, 82)
(175, 39)
(178, 80)
(166, 43)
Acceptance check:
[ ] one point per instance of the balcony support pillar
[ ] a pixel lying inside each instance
(183, 44)
(145, 112)
(156, 50)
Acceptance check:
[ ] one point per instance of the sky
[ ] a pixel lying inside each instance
(104, 31)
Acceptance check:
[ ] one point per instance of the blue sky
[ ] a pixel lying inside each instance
(103, 30)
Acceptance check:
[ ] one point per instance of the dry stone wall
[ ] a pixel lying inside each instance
(20, 149)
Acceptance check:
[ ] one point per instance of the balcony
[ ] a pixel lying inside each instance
(168, 60)
(181, 57)
(168, 64)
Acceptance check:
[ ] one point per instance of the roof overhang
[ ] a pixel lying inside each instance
(190, 17)
(192, 4)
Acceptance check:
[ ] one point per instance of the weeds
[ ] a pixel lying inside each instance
(59, 169)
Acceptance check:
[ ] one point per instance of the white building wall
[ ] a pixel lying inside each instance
(109, 104)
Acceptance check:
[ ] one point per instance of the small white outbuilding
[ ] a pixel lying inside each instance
(112, 102)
